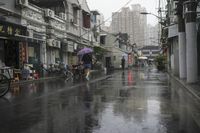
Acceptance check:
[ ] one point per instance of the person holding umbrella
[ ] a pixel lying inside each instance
(86, 60)
(87, 63)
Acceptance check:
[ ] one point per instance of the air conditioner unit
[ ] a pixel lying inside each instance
(53, 43)
(22, 2)
(63, 16)
(49, 13)
(50, 42)
(56, 43)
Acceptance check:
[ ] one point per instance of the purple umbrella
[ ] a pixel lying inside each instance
(85, 51)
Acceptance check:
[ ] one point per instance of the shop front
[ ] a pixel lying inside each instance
(53, 51)
(34, 19)
(72, 57)
(13, 50)
(33, 54)
(36, 48)
(64, 54)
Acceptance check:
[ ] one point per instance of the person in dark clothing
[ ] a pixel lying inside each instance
(87, 62)
(123, 63)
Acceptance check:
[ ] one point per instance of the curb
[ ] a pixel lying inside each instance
(195, 116)
(188, 88)
(44, 78)
(35, 80)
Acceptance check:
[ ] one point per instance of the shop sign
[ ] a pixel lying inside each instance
(22, 53)
(70, 46)
(130, 59)
(11, 29)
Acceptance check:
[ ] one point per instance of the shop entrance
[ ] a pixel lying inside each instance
(11, 53)
(1, 53)
(108, 62)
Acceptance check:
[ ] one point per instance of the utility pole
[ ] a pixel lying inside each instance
(160, 16)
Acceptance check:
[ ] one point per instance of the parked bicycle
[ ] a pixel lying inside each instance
(78, 71)
(5, 80)
(68, 74)
(59, 70)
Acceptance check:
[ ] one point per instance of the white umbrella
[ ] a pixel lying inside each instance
(142, 58)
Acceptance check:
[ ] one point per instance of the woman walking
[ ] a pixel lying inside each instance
(87, 63)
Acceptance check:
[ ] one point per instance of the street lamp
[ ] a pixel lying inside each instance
(162, 23)
(146, 13)
(159, 18)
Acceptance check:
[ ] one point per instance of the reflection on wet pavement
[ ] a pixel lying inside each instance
(130, 101)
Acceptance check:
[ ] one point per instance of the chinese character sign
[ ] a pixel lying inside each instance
(11, 29)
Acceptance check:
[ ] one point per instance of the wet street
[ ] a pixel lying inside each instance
(139, 101)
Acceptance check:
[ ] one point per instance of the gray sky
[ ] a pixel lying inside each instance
(108, 6)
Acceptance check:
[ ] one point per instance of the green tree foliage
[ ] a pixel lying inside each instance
(160, 62)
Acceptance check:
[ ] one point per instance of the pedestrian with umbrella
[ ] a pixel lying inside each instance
(86, 60)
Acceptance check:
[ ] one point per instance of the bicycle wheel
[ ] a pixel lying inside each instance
(4, 85)
(69, 76)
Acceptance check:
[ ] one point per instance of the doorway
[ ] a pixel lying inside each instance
(1, 53)
(11, 49)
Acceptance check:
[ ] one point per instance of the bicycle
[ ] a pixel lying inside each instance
(68, 74)
(78, 71)
(4, 82)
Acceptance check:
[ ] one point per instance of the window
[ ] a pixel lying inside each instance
(86, 19)
(31, 52)
(75, 15)
(114, 58)
(94, 19)
(103, 40)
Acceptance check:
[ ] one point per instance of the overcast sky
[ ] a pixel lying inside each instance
(108, 6)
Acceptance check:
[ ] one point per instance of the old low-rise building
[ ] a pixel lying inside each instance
(43, 31)
(183, 38)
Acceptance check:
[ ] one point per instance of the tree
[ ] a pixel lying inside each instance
(160, 62)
